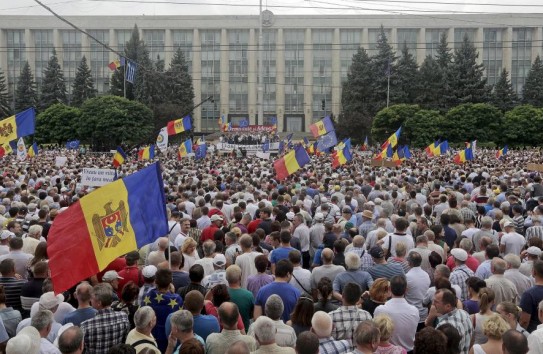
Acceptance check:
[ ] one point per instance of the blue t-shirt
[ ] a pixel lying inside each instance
(163, 304)
(203, 326)
(280, 253)
(288, 293)
(529, 302)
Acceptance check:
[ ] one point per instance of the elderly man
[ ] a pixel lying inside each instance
(327, 269)
(265, 334)
(321, 325)
(353, 274)
(522, 282)
(141, 338)
(207, 262)
(301, 232)
(32, 239)
(218, 343)
(19, 257)
(285, 336)
(43, 322)
(483, 271)
(418, 282)
(71, 341)
(366, 338)
(108, 327)
(181, 323)
(461, 272)
(471, 262)
(445, 304)
(357, 247)
(84, 310)
(242, 297)
(504, 289)
(219, 274)
(532, 254)
(347, 316)
(511, 241)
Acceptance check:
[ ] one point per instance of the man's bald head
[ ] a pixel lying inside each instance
(71, 340)
(327, 256)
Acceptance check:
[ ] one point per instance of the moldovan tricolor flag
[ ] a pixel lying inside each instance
(119, 157)
(17, 126)
(147, 153)
(179, 125)
(322, 127)
(291, 162)
(118, 218)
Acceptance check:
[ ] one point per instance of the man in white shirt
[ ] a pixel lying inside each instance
(388, 243)
(207, 262)
(183, 233)
(43, 322)
(418, 282)
(522, 282)
(301, 231)
(174, 226)
(246, 260)
(301, 278)
(511, 242)
(405, 316)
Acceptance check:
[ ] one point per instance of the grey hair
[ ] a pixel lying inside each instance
(444, 270)
(486, 222)
(208, 247)
(143, 316)
(35, 230)
(103, 292)
(265, 330)
(367, 332)
(513, 260)
(466, 245)
(41, 319)
(352, 261)
(274, 307)
(182, 320)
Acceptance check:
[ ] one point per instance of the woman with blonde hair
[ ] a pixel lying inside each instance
(486, 301)
(386, 328)
(188, 248)
(493, 328)
(510, 312)
(379, 293)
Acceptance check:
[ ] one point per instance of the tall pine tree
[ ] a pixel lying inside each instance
(178, 83)
(25, 95)
(83, 86)
(53, 88)
(532, 92)
(5, 97)
(383, 66)
(430, 93)
(407, 81)
(503, 95)
(357, 98)
(467, 83)
(444, 59)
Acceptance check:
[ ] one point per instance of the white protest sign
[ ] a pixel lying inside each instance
(97, 177)
(263, 155)
(60, 161)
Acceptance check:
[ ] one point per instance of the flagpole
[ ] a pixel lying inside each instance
(388, 87)
(124, 79)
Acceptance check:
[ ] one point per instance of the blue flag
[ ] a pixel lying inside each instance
(406, 152)
(266, 146)
(281, 146)
(327, 141)
(201, 152)
(273, 120)
(289, 137)
(73, 144)
(244, 123)
(131, 71)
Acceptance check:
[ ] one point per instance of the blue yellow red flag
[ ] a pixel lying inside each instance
(33, 150)
(115, 219)
(502, 152)
(147, 153)
(291, 162)
(17, 126)
(322, 127)
(119, 157)
(185, 148)
(179, 125)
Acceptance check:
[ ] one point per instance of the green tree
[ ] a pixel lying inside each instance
(407, 80)
(470, 121)
(26, 95)
(444, 59)
(5, 97)
(148, 81)
(83, 86)
(357, 104)
(532, 92)
(503, 95)
(53, 88)
(424, 127)
(383, 64)
(389, 119)
(57, 124)
(523, 126)
(466, 79)
(134, 50)
(430, 87)
(108, 121)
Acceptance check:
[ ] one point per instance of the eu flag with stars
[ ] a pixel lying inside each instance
(201, 152)
(327, 141)
(73, 144)
(163, 304)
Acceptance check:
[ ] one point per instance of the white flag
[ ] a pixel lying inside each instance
(162, 139)
(21, 150)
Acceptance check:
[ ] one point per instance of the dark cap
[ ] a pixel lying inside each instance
(377, 252)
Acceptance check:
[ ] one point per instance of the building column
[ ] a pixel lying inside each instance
(224, 77)
(365, 38)
(4, 53)
(168, 48)
(507, 45)
(197, 78)
(393, 40)
(252, 76)
(421, 46)
(113, 44)
(308, 79)
(57, 44)
(336, 73)
(280, 78)
(86, 43)
(537, 39)
(479, 39)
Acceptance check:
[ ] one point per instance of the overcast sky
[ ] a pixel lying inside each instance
(250, 7)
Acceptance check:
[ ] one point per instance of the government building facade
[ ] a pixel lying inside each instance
(305, 58)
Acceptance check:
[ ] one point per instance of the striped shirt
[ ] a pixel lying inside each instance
(12, 288)
(387, 270)
(534, 231)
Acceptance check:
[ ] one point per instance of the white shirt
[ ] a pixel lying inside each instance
(405, 318)
(535, 341)
(179, 239)
(408, 240)
(174, 228)
(470, 232)
(431, 292)
(302, 233)
(47, 347)
(513, 242)
(207, 264)
(521, 281)
(304, 280)
(418, 282)
(246, 262)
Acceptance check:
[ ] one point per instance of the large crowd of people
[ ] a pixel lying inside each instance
(424, 257)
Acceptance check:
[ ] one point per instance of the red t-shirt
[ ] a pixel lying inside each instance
(129, 273)
(209, 233)
(471, 262)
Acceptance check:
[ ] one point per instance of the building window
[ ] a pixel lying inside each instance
(433, 36)
(154, 40)
(183, 39)
(294, 71)
(270, 71)
(493, 53)
(211, 74)
(71, 45)
(460, 33)
(99, 60)
(16, 58)
(521, 57)
(409, 38)
(373, 37)
(350, 42)
(238, 43)
(322, 73)
(43, 40)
